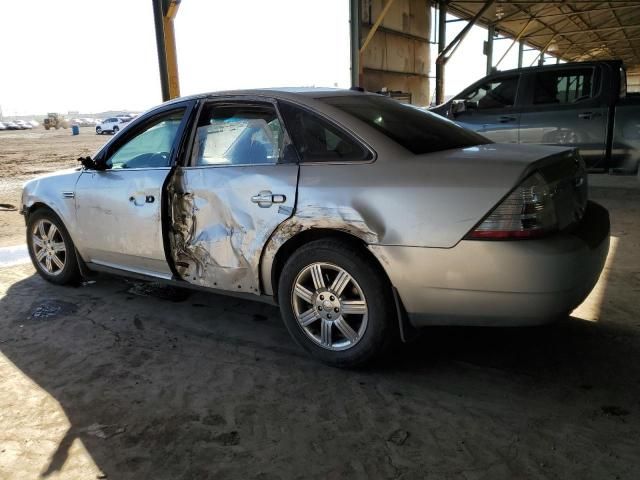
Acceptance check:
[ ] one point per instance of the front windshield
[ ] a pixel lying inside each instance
(416, 130)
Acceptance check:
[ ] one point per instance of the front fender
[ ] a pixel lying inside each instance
(57, 192)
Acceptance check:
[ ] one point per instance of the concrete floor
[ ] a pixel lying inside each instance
(118, 379)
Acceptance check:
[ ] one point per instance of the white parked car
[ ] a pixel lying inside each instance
(111, 125)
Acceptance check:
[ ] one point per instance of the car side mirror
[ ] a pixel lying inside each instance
(90, 164)
(471, 105)
(457, 107)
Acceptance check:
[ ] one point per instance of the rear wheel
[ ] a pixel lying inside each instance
(115, 130)
(336, 304)
(51, 249)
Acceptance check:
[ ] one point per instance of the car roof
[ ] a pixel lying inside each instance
(302, 94)
(542, 68)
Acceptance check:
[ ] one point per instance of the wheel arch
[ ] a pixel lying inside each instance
(271, 276)
(38, 206)
(31, 209)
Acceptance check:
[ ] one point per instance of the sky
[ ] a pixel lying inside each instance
(93, 56)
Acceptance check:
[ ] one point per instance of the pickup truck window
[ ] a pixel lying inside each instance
(563, 86)
(497, 93)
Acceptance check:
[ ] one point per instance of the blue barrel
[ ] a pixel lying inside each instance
(75, 130)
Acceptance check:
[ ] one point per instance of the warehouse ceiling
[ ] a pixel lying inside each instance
(572, 30)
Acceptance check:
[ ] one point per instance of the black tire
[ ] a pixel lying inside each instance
(70, 273)
(115, 130)
(98, 131)
(371, 283)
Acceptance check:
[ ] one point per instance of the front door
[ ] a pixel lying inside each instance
(237, 186)
(119, 210)
(490, 109)
(563, 108)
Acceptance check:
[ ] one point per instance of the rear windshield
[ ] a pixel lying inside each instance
(416, 130)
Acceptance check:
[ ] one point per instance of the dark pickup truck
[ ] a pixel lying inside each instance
(583, 104)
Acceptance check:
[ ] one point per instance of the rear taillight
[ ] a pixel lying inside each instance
(527, 212)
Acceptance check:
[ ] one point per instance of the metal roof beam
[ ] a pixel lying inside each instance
(566, 14)
(624, 32)
(600, 42)
(546, 25)
(541, 2)
(445, 55)
(576, 32)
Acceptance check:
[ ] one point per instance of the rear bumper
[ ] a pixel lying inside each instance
(500, 283)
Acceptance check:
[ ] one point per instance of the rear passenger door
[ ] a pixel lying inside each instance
(489, 108)
(236, 186)
(564, 107)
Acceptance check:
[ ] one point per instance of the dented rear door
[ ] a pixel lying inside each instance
(236, 186)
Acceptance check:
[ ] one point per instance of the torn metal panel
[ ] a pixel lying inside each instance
(348, 219)
(218, 232)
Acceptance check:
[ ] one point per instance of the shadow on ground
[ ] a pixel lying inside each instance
(159, 383)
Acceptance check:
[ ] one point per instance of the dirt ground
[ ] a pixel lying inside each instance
(124, 380)
(29, 153)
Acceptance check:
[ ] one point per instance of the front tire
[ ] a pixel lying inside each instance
(115, 130)
(98, 131)
(51, 248)
(336, 303)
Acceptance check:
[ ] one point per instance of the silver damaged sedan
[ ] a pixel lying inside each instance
(362, 218)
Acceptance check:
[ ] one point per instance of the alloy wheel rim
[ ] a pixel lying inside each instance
(49, 249)
(329, 306)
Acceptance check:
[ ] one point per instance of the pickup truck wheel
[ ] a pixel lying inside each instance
(336, 304)
(51, 249)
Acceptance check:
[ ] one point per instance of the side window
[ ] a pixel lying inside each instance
(563, 86)
(317, 140)
(498, 93)
(238, 134)
(150, 148)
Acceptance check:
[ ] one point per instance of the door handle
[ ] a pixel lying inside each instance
(265, 199)
(588, 115)
(507, 119)
(139, 199)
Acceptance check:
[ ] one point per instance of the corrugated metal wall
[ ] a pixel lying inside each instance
(397, 58)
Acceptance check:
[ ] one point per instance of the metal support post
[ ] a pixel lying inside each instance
(164, 12)
(355, 19)
(520, 53)
(488, 49)
(450, 49)
(442, 43)
(162, 54)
